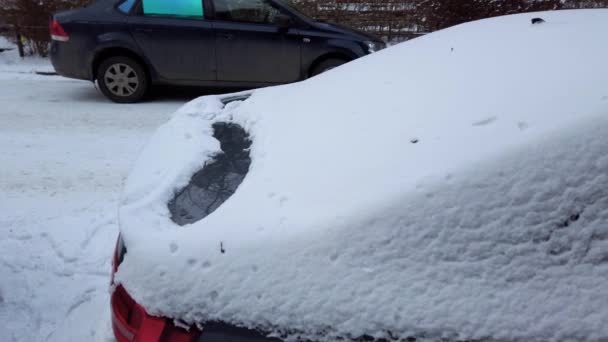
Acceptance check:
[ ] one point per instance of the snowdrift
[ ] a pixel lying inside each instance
(454, 186)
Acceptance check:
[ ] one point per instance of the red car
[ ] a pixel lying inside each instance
(463, 199)
(131, 322)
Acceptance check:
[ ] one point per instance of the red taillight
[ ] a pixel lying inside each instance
(57, 32)
(131, 323)
(122, 307)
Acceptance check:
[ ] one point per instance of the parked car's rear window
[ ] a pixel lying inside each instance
(182, 8)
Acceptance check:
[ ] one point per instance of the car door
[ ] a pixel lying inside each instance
(176, 38)
(251, 47)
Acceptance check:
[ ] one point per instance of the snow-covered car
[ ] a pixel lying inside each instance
(454, 187)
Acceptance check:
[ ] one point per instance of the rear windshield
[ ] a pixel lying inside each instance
(217, 180)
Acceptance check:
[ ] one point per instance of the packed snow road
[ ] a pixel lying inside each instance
(64, 152)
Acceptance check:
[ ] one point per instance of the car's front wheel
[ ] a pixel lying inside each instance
(122, 79)
(327, 65)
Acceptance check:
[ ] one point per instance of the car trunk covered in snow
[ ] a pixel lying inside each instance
(452, 186)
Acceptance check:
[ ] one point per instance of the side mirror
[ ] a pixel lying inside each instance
(283, 21)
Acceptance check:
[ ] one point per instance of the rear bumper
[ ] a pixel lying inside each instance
(120, 314)
(131, 323)
(69, 61)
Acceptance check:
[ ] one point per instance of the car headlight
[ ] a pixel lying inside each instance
(374, 46)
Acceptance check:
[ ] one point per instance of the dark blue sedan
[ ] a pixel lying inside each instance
(130, 45)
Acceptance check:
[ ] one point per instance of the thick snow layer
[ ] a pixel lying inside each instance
(452, 186)
(64, 152)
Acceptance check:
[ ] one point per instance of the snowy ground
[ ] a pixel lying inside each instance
(64, 152)
(11, 63)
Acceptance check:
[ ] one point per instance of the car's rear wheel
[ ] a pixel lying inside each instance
(327, 65)
(122, 79)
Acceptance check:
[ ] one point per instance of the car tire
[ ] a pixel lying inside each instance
(327, 65)
(122, 79)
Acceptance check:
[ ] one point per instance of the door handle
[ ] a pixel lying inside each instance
(143, 30)
(228, 36)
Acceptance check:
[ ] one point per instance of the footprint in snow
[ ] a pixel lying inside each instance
(522, 125)
(173, 247)
(485, 121)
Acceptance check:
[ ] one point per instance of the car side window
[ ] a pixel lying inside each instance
(174, 8)
(125, 6)
(248, 11)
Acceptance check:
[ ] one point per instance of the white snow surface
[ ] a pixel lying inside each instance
(64, 153)
(14, 67)
(454, 186)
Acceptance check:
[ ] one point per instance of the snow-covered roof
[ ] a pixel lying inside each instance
(455, 185)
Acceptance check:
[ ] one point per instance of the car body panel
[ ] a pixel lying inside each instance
(248, 52)
(114, 40)
(191, 57)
